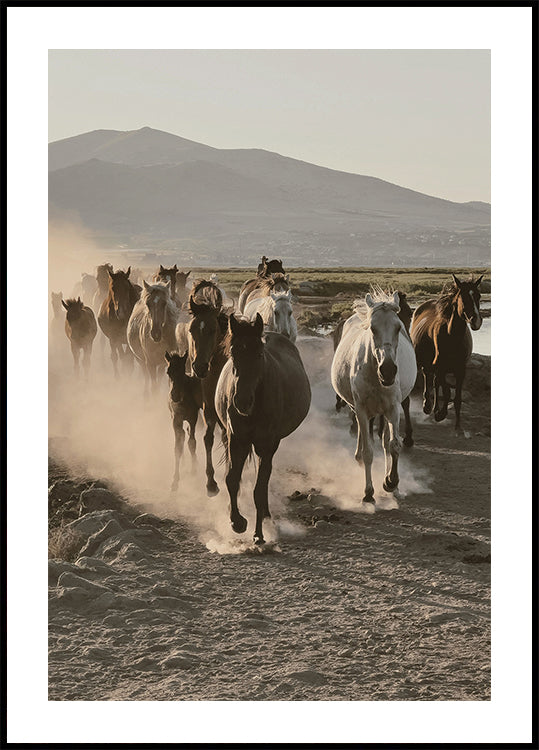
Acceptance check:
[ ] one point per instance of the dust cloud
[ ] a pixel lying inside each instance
(105, 428)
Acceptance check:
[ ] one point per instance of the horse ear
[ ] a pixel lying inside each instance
(369, 300)
(476, 283)
(161, 269)
(287, 277)
(79, 299)
(396, 299)
(259, 325)
(457, 281)
(187, 274)
(64, 304)
(175, 267)
(233, 324)
(109, 271)
(128, 272)
(167, 357)
(146, 285)
(194, 307)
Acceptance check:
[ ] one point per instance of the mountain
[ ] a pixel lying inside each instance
(148, 188)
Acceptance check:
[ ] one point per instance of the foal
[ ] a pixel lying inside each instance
(185, 401)
(81, 330)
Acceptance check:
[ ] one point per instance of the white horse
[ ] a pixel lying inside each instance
(151, 330)
(276, 312)
(374, 369)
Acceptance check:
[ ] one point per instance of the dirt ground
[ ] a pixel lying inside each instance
(160, 600)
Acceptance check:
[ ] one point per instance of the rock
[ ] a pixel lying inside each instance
(74, 597)
(114, 621)
(57, 567)
(92, 522)
(98, 498)
(308, 676)
(148, 519)
(112, 528)
(297, 495)
(93, 565)
(178, 660)
(70, 580)
(63, 489)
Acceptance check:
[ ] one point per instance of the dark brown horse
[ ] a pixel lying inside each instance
(405, 314)
(185, 401)
(443, 343)
(114, 315)
(262, 396)
(202, 337)
(81, 329)
(177, 280)
(270, 275)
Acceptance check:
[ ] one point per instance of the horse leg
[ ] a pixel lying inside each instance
(237, 452)
(76, 353)
(114, 357)
(212, 488)
(381, 424)
(364, 451)
(428, 377)
(440, 410)
(392, 449)
(192, 443)
(86, 359)
(459, 378)
(408, 439)
(261, 493)
(179, 439)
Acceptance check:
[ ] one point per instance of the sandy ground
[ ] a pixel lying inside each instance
(165, 602)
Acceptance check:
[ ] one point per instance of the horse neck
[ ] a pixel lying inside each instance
(456, 323)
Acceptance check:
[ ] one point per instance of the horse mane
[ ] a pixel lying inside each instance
(73, 301)
(210, 293)
(383, 301)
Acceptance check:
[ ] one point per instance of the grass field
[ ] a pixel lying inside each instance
(329, 282)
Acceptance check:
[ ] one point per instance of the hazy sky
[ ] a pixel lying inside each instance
(418, 118)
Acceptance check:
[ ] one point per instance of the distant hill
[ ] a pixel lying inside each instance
(147, 188)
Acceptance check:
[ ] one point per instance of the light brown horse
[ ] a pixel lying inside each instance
(185, 401)
(114, 315)
(151, 330)
(177, 279)
(202, 337)
(443, 343)
(263, 395)
(270, 275)
(81, 329)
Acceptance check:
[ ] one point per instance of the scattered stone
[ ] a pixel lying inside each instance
(111, 528)
(70, 580)
(98, 498)
(114, 621)
(148, 519)
(93, 565)
(57, 567)
(178, 660)
(308, 676)
(297, 495)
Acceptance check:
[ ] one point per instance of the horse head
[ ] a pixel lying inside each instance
(102, 275)
(205, 332)
(56, 301)
(73, 309)
(120, 293)
(176, 373)
(181, 279)
(282, 313)
(467, 297)
(156, 298)
(385, 327)
(247, 354)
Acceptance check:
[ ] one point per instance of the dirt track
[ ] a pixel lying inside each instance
(343, 603)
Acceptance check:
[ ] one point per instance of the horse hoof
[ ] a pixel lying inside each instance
(239, 524)
(369, 499)
(212, 490)
(259, 540)
(408, 441)
(427, 408)
(439, 416)
(389, 486)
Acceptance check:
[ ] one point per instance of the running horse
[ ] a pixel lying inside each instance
(151, 330)
(114, 315)
(441, 336)
(270, 275)
(373, 371)
(81, 330)
(177, 280)
(262, 396)
(405, 314)
(202, 338)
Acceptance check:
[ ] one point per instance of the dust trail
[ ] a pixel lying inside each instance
(105, 428)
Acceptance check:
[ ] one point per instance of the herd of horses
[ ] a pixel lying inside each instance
(237, 363)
